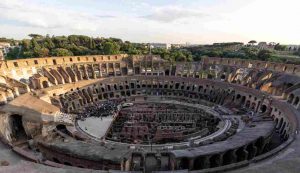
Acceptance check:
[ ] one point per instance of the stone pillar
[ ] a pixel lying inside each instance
(93, 72)
(114, 69)
(170, 70)
(158, 159)
(257, 109)
(85, 72)
(16, 91)
(220, 159)
(100, 70)
(107, 69)
(234, 156)
(298, 106)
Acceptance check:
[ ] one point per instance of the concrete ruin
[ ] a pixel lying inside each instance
(209, 116)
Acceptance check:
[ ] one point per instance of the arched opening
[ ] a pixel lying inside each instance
(18, 131)
(296, 101)
(241, 154)
(263, 108)
(62, 128)
(45, 84)
(167, 72)
(228, 158)
(253, 106)
(259, 145)
(288, 85)
(199, 163)
(67, 163)
(243, 100)
(291, 98)
(223, 77)
(251, 151)
(55, 160)
(215, 161)
(184, 163)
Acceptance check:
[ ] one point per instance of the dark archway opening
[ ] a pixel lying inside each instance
(184, 163)
(251, 151)
(199, 163)
(55, 160)
(67, 163)
(243, 100)
(167, 72)
(45, 84)
(223, 77)
(227, 158)
(241, 154)
(291, 98)
(259, 145)
(18, 131)
(62, 128)
(263, 108)
(215, 161)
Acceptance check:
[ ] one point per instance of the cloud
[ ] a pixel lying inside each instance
(155, 21)
(41, 15)
(105, 16)
(172, 13)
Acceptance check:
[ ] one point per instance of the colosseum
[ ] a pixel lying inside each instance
(123, 113)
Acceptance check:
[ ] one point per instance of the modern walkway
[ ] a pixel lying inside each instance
(96, 127)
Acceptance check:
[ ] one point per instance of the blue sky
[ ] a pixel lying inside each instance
(169, 21)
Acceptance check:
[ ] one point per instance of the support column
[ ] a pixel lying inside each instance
(107, 69)
(100, 70)
(93, 72)
(114, 69)
(85, 72)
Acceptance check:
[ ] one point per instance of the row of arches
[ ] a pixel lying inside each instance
(209, 92)
(169, 161)
(294, 100)
(228, 157)
(177, 89)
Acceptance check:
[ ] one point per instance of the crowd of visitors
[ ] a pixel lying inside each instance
(100, 110)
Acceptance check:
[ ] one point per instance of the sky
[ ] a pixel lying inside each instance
(164, 21)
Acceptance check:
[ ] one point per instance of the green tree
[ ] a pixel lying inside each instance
(34, 44)
(61, 41)
(41, 52)
(250, 53)
(48, 43)
(280, 47)
(111, 48)
(13, 53)
(35, 36)
(28, 54)
(61, 52)
(264, 55)
(214, 53)
(25, 44)
(134, 51)
(252, 42)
